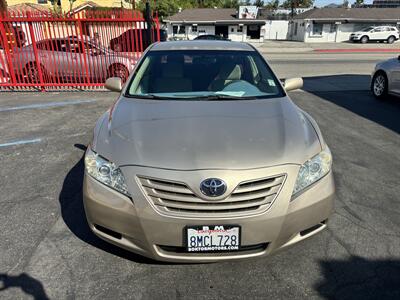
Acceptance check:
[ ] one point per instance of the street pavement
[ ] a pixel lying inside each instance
(48, 251)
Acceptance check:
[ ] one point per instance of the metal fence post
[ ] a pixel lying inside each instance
(79, 21)
(7, 51)
(35, 51)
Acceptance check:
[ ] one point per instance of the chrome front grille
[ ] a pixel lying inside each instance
(174, 198)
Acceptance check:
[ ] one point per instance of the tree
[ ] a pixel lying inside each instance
(346, 3)
(3, 5)
(297, 3)
(359, 2)
(259, 3)
(273, 5)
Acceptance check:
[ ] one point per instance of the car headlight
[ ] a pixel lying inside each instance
(106, 172)
(313, 169)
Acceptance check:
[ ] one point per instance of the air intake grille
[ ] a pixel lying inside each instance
(177, 198)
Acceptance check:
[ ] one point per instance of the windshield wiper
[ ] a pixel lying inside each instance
(149, 96)
(225, 97)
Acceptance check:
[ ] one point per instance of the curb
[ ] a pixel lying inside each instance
(365, 50)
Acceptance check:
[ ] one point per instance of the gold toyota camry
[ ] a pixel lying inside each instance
(204, 158)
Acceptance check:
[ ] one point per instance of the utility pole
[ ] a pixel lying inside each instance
(149, 22)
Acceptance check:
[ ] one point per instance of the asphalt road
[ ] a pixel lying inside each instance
(312, 64)
(47, 250)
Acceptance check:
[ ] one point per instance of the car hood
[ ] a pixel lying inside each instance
(190, 135)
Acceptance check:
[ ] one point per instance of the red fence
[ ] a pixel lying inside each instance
(47, 51)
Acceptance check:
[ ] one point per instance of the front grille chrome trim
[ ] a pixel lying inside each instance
(178, 199)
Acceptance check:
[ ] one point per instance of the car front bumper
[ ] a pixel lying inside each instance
(136, 225)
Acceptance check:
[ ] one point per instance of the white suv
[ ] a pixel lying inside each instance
(380, 33)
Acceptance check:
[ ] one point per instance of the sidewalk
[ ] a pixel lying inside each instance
(346, 47)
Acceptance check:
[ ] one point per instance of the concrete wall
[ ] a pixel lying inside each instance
(189, 34)
(330, 32)
(276, 30)
(235, 35)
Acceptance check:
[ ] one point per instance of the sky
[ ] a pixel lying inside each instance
(321, 3)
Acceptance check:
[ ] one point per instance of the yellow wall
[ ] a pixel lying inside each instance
(66, 6)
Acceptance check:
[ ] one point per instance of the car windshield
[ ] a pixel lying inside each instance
(367, 29)
(204, 74)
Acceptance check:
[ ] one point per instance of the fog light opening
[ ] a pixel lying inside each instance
(109, 232)
(312, 228)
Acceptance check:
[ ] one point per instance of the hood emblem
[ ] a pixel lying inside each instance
(213, 187)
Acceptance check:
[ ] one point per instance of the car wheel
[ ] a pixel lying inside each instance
(32, 73)
(119, 71)
(379, 85)
(364, 39)
(391, 39)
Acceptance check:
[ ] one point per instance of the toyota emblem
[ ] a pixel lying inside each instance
(213, 187)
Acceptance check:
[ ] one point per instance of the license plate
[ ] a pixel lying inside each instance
(213, 238)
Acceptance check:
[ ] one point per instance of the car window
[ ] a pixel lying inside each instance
(52, 45)
(195, 74)
(75, 47)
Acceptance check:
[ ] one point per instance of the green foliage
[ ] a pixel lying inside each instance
(297, 3)
(169, 7)
(259, 3)
(273, 4)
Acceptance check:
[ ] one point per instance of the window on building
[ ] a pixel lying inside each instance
(194, 28)
(174, 29)
(232, 29)
(296, 25)
(182, 30)
(332, 28)
(240, 28)
(42, 2)
(317, 29)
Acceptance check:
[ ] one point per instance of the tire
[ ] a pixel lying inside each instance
(364, 39)
(391, 39)
(379, 85)
(120, 71)
(32, 73)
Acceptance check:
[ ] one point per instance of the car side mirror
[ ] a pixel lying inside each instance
(114, 84)
(293, 84)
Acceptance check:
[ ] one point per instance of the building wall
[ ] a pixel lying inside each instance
(276, 30)
(235, 35)
(330, 32)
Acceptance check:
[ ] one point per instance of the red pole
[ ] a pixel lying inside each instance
(79, 21)
(35, 51)
(7, 51)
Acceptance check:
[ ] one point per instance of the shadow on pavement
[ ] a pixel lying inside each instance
(352, 93)
(26, 283)
(358, 278)
(73, 213)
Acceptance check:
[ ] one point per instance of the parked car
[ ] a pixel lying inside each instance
(385, 78)
(130, 40)
(376, 33)
(204, 157)
(211, 37)
(66, 59)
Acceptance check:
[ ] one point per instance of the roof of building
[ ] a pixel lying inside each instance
(202, 45)
(379, 14)
(27, 7)
(204, 14)
(85, 5)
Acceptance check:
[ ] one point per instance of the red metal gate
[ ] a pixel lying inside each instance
(80, 51)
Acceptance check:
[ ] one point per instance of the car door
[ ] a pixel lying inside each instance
(374, 34)
(394, 76)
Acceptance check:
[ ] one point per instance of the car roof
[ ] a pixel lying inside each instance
(202, 45)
